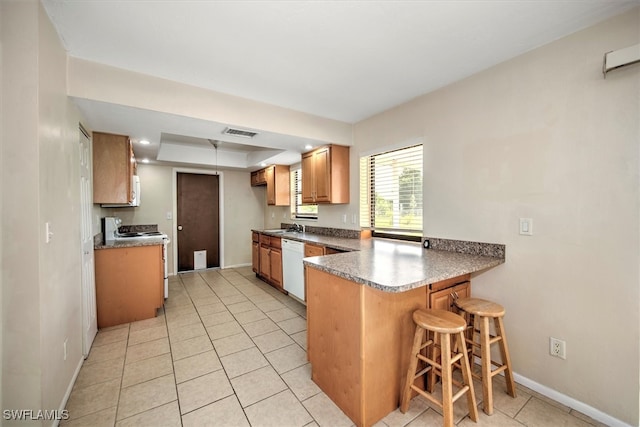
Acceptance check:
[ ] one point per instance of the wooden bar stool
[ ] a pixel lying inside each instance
(442, 323)
(480, 312)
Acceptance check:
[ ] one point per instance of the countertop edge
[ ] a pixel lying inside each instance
(490, 263)
(128, 244)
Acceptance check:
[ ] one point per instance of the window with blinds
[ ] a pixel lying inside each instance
(391, 193)
(298, 210)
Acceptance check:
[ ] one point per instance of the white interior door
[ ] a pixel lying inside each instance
(89, 317)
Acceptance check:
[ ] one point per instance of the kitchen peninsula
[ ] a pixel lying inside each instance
(359, 307)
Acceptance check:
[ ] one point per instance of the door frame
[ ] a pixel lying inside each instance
(88, 282)
(174, 232)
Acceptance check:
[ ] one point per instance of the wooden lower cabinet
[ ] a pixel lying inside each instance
(129, 284)
(359, 339)
(255, 252)
(444, 298)
(269, 260)
(313, 250)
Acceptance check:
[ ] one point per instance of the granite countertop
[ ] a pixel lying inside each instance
(396, 266)
(340, 243)
(149, 241)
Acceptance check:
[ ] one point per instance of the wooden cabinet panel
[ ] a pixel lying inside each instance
(276, 178)
(308, 176)
(113, 168)
(359, 339)
(275, 258)
(313, 250)
(322, 175)
(258, 178)
(443, 299)
(267, 259)
(325, 175)
(265, 264)
(255, 256)
(129, 284)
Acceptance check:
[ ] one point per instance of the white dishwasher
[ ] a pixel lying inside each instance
(292, 269)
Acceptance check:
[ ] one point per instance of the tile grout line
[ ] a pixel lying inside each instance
(268, 362)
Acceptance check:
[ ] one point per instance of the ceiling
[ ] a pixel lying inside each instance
(343, 60)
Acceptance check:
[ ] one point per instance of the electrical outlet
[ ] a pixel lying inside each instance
(557, 348)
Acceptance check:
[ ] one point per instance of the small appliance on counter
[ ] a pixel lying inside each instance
(110, 225)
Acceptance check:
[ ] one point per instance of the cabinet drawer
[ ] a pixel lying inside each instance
(313, 250)
(265, 240)
(434, 287)
(275, 242)
(255, 237)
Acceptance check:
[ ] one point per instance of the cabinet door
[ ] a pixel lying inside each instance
(264, 261)
(261, 177)
(307, 178)
(255, 257)
(276, 267)
(313, 250)
(271, 185)
(322, 175)
(129, 284)
(112, 168)
(443, 299)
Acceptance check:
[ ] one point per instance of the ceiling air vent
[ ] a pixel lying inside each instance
(239, 132)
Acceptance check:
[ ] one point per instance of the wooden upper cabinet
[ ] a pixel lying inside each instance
(276, 178)
(258, 178)
(278, 185)
(325, 175)
(113, 168)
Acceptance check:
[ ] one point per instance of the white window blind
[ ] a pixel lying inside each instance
(298, 210)
(391, 192)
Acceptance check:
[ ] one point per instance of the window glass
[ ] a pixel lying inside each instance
(391, 192)
(298, 210)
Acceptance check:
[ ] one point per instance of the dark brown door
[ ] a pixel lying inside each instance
(198, 219)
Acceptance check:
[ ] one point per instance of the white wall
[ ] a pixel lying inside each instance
(41, 303)
(243, 210)
(103, 83)
(544, 136)
(1, 198)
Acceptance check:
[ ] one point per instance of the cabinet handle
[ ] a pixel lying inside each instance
(454, 295)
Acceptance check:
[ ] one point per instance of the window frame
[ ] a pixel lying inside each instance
(296, 193)
(368, 194)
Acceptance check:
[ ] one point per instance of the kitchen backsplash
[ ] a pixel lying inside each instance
(473, 248)
(327, 231)
(139, 228)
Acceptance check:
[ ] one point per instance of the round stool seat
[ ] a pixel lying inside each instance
(440, 321)
(480, 307)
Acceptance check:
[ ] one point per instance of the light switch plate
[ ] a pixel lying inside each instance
(526, 226)
(48, 234)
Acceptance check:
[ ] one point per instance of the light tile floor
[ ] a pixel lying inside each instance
(229, 350)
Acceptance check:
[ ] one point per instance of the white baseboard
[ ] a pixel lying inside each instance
(63, 404)
(237, 266)
(572, 403)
